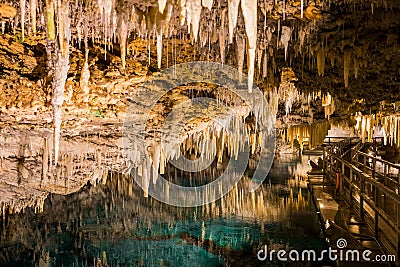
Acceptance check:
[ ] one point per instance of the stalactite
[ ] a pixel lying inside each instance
(22, 4)
(301, 8)
(285, 38)
(222, 37)
(58, 60)
(332, 59)
(45, 158)
(207, 4)
(161, 5)
(195, 17)
(321, 61)
(346, 68)
(284, 10)
(259, 59)
(329, 105)
(160, 20)
(123, 37)
(85, 76)
(356, 66)
(249, 9)
(302, 35)
(240, 55)
(33, 5)
(265, 64)
(233, 9)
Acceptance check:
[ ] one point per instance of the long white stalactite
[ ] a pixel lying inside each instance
(249, 9)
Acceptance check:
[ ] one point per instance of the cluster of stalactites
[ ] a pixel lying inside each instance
(207, 144)
(369, 125)
(311, 134)
(206, 21)
(35, 201)
(329, 105)
(288, 94)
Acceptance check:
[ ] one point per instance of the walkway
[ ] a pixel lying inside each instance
(366, 211)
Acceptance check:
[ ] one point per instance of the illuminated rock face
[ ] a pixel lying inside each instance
(325, 63)
(385, 126)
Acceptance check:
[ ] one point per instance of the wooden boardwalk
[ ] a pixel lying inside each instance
(369, 186)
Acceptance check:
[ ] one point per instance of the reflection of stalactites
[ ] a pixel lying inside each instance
(69, 161)
(156, 161)
(203, 231)
(314, 134)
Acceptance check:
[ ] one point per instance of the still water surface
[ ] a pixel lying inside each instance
(112, 224)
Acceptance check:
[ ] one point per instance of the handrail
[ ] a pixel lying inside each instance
(375, 195)
(394, 165)
(368, 178)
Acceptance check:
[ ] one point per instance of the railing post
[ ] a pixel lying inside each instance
(373, 167)
(362, 189)
(351, 155)
(398, 233)
(351, 186)
(341, 180)
(398, 181)
(376, 221)
(365, 163)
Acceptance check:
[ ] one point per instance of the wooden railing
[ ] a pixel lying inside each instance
(372, 192)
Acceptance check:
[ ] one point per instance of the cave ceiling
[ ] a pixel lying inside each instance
(349, 48)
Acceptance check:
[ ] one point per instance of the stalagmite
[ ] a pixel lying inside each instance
(346, 67)
(233, 9)
(249, 9)
(285, 38)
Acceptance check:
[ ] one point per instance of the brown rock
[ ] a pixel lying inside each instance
(7, 11)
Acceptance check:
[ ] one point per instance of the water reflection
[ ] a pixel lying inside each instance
(112, 224)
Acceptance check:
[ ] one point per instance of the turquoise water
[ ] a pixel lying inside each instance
(114, 225)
